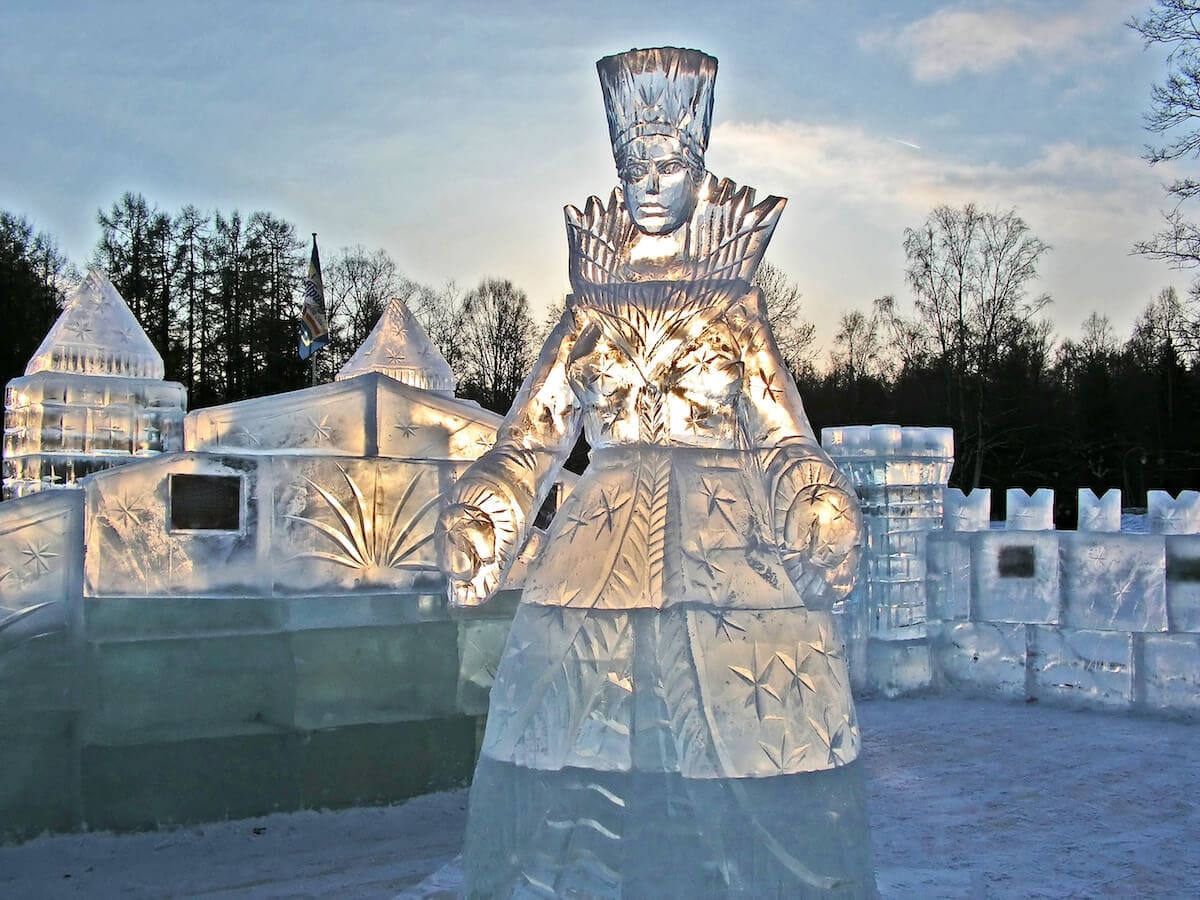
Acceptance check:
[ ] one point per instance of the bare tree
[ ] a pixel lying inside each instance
(497, 342)
(970, 272)
(856, 346)
(442, 315)
(793, 333)
(359, 283)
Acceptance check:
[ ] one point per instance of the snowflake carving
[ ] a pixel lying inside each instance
(395, 358)
(726, 625)
(770, 390)
(717, 498)
(571, 524)
(611, 503)
(127, 511)
(80, 329)
(38, 557)
(322, 430)
(701, 556)
(407, 429)
(759, 679)
(787, 756)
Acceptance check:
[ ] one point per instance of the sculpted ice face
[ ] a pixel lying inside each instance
(660, 183)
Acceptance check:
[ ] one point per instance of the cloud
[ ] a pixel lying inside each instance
(1106, 188)
(959, 39)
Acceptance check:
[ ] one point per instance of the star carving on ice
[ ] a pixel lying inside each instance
(759, 679)
(1124, 590)
(38, 557)
(726, 625)
(572, 524)
(795, 668)
(407, 429)
(485, 442)
(246, 436)
(321, 431)
(717, 498)
(395, 358)
(80, 329)
(701, 556)
(787, 755)
(770, 390)
(833, 739)
(128, 511)
(611, 503)
(695, 419)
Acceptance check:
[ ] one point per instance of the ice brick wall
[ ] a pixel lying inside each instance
(1094, 617)
(899, 474)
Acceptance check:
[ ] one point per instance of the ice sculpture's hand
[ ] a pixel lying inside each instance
(467, 538)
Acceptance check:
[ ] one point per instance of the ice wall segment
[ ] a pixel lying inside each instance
(1095, 617)
(255, 623)
(92, 397)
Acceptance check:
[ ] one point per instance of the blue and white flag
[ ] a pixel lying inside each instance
(314, 324)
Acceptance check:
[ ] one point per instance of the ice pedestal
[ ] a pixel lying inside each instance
(576, 832)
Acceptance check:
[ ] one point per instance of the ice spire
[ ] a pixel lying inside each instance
(399, 348)
(97, 335)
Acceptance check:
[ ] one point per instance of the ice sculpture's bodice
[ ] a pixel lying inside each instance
(683, 388)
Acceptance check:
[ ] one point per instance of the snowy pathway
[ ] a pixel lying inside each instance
(968, 798)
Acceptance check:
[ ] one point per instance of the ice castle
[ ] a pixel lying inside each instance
(252, 619)
(248, 616)
(93, 396)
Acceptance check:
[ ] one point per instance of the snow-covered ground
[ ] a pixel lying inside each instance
(968, 799)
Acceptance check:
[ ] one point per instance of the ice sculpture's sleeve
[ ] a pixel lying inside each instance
(815, 512)
(502, 491)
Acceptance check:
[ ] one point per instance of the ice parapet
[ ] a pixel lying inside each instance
(1100, 513)
(673, 669)
(399, 348)
(1179, 515)
(967, 512)
(1029, 512)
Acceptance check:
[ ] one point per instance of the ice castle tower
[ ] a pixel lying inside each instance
(399, 348)
(92, 397)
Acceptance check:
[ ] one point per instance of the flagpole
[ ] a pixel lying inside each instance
(313, 357)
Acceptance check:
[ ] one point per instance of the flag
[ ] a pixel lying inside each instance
(314, 325)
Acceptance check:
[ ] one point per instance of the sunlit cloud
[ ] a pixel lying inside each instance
(965, 39)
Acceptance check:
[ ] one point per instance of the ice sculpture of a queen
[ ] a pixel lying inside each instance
(671, 716)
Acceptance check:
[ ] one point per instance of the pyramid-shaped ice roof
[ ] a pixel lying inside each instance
(399, 348)
(97, 335)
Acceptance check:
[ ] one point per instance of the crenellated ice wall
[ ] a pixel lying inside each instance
(949, 600)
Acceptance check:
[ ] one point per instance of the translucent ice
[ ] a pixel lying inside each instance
(674, 682)
(92, 397)
(399, 348)
(1179, 515)
(1114, 582)
(1099, 514)
(966, 512)
(1030, 512)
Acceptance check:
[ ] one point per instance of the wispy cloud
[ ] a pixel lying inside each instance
(1103, 187)
(965, 39)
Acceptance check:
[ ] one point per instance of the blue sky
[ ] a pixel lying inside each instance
(452, 134)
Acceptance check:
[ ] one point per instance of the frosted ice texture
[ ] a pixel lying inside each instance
(365, 415)
(399, 348)
(97, 334)
(1114, 583)
(92, 397)
(1100, 513)
(1015, 577)
(1029, 512)
(967, 512)
(673, 679)
(899, 474)
(1179, 515)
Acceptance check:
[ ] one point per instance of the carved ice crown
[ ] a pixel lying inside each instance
(664, 90)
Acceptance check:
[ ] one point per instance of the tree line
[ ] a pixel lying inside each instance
(219, 297)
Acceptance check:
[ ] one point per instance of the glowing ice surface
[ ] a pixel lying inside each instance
(399, 348)
(672, 713)
(92, 396)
